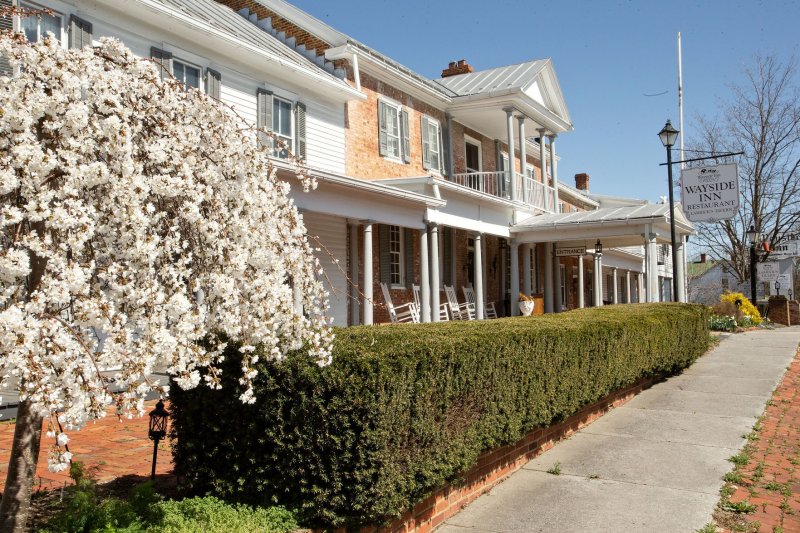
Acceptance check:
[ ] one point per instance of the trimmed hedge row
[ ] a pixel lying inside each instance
(404, 409)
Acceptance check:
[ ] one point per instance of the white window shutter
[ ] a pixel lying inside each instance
(406, 136)
(382, 141)
(426, 148)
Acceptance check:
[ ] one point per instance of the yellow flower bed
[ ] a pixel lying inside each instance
(746, 306)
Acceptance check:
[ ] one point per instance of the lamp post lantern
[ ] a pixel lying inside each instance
(157, 430)
(598, 247)
(668, 135)
(753, 236)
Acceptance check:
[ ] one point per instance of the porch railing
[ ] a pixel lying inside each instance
(498, 184)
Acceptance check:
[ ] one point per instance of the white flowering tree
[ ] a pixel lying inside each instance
(136, 219)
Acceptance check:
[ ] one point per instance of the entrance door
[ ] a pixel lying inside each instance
(473, 153)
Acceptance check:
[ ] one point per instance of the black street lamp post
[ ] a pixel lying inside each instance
(668, 135)
(753, 236)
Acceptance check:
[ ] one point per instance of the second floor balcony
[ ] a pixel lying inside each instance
(499, 184)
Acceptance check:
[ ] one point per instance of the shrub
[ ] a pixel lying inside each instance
(404, 409)
(145, 511)
(742, 303)
(721, 323)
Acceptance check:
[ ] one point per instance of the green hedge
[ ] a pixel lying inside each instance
(404, 409)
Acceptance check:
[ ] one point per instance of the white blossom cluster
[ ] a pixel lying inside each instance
(137, 218)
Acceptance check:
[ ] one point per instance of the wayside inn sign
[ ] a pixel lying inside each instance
(710, 193)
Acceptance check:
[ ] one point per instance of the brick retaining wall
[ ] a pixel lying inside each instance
(496, 465)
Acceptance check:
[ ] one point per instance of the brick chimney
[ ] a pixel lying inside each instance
(582, 181)
(456, 68)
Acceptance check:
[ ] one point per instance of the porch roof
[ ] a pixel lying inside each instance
(613, 226)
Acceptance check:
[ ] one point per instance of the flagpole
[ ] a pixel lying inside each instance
(683, 158)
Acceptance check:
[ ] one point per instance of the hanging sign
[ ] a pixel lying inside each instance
(710, 193)
(785, 249)
(768, 271)
(575, 250)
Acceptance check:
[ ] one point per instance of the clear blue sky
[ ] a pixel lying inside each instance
(607, 54)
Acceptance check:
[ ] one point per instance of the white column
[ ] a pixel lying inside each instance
(434, 229)
(554, 171)
(627, 286)
(478, 276)
(548, 277)
(558, 304)
(424, 277)
(581, 299)
(367, 284)
(522, 161)
(543, 163)
(512, 178)
(642, 296)
(652, 266)
(598, 280)
(514, 278)
(526, 269)
(354, 296)
(614, 285)
(680, 275)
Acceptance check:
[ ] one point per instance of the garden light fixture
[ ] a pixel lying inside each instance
(157, 430)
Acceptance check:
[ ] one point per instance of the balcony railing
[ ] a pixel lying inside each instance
(497, 184)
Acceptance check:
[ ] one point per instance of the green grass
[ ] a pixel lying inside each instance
(742, 507)
(555, 469)
(740, 459)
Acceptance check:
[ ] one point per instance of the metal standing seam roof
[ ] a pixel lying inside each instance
(605, 214)
(485, 81)
(226, 20)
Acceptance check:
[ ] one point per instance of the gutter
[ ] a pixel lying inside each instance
(195, 23)
(367, 186)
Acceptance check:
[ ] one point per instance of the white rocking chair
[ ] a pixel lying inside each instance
(408, 312)
(457, 310)
(443, 316)
(489, 310)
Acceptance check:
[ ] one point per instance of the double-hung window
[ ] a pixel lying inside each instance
(286, 120)
(37, 26)
(431, 144)
(396, 256)
(394, 140)
(185, 73)
(282, 126)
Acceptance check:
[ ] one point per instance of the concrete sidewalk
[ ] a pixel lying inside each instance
(654, 464)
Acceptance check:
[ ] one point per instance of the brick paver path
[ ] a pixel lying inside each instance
(772, 477)
(116, 447)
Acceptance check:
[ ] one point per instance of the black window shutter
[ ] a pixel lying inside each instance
(213, 83)
(406, 136)
(264, 115)
(6, 23)
(163, 59)
(382, 141)
(80, 32)
(408, 252)
(447, 245)
(426, 147)
(383, 252)
(300, 117)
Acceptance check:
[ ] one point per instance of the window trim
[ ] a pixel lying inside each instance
(434, 169)
(398, 109)
(477, 144)
(200, 81)
(63, 38)
(291, 141)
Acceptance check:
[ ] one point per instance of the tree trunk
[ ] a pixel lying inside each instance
(16, 505)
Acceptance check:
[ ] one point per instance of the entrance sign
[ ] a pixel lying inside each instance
(710, 193)
(575, 250)
(769, 271)
(785, 249)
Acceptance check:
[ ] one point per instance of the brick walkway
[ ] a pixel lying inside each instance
(771, 479)
(117, 448)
